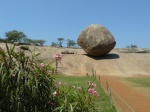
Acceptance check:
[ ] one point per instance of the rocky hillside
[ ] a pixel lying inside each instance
(119, 62)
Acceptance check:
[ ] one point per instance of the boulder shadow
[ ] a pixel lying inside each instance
(106, 56)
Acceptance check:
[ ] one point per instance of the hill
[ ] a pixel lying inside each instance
(118, 62)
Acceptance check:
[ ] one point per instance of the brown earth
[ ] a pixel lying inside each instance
(113, 64)
(126, 98)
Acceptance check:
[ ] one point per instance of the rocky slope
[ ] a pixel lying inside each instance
(116, 63)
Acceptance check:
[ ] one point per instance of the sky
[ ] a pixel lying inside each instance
(127, 20)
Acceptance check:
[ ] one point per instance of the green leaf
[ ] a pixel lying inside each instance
(18, 78)
(36, 84)
(3, 78)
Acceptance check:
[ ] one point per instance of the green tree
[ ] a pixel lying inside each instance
(132, 46)
(28, 40)
(14, 36)
(34, 42)
(70, 43)
(2, 40)
(40, 42)
(53, 44)
(60, 41)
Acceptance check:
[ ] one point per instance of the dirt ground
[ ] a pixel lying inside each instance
(113, 64)
(126, 98)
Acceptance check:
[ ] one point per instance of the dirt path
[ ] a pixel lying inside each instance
(125, 97)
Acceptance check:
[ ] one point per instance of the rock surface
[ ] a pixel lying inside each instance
(96, 40)
(68, 52)
(115, 63)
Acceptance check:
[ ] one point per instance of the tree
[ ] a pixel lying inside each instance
(2, 40)
(14, 36)
(41, 42)
(34, 42)
(60, 41)
(28, 40)
(70, 43)
(132, 46)
(53, 44)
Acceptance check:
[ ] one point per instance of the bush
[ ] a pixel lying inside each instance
(25, 85)
(75, 98)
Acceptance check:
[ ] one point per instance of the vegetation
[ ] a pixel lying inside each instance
(132, 46)
(60, 41)
(34, 42)
(14, 36)
(20, 37)
(2, 40)
(27, 85)
(53, 44)
(71, 43)
(40, 42)
(102, 101)
(142, 82)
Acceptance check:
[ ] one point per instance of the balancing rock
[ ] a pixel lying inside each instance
(96, 40)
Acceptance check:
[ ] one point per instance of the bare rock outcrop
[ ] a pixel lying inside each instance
(96, 40)
(68, 52)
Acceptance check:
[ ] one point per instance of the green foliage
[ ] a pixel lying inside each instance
(28, 40)
(34, 42)
(39, 42)
(60, 41)
(53, 44)
(74, 98)
(25, 85)
(2, 40)
(102, 102)
(132, 46)
(70, 43)
(14, 36)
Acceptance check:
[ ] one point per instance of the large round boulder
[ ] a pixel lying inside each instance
(96, 40)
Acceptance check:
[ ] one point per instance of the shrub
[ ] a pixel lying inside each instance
(25, 85)
(75, 98)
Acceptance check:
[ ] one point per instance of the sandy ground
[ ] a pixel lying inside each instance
(114, 63)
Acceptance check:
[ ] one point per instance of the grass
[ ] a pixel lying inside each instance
(140, 81)
(103, 102)
(139, 84)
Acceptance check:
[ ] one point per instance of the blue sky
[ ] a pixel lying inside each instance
(127, 20)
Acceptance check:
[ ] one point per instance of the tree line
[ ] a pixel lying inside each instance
(15, 36)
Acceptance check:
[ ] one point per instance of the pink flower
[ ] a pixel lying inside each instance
(55, 93)
(88, 82)
(93, 85)
(41, 65)
(58, 57)
(79, 88)
(92, 91)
